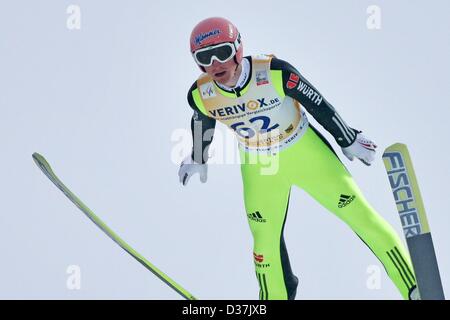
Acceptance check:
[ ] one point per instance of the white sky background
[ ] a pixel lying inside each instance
(101, 103)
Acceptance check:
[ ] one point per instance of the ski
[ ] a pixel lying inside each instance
(414, 221)
(47, 170)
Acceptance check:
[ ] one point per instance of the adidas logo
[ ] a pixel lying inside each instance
(256, 216)
(345, 200)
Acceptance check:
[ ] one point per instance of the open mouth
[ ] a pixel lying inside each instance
(220, 74)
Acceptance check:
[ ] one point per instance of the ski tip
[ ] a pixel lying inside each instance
(397, 144)
(395, 147)
(37, 157)
(40, 161)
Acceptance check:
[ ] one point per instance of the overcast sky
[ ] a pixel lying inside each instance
(103, 103)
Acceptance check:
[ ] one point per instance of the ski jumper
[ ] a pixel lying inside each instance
(267, 114)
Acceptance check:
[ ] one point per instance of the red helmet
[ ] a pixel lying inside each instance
(213, 31)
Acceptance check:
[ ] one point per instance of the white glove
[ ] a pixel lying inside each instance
(362, 148)
(189, 167)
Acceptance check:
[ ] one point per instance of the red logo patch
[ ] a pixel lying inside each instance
(293, 81)
(258, 257)
(294, 77)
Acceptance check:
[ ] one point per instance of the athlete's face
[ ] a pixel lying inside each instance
(222, 72)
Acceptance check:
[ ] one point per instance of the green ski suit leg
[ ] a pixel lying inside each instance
(311, 165)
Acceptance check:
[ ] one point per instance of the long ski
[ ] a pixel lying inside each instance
(47, 170)
(414, 221)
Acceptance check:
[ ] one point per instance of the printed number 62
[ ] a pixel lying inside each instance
(247, 132)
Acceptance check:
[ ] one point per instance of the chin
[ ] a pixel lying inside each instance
(224, 79)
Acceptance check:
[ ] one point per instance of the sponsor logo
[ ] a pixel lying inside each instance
(403, 189)
(256, 216)
(250, 105)
(202, 36)
(259, 259)
(307, 91)
(207, 90)
(304, 88)
(345, 200)
(261, 78)
(293, 81)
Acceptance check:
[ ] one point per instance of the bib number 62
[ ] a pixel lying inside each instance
(247, 132)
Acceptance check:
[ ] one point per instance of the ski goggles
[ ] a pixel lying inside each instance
(222, 52)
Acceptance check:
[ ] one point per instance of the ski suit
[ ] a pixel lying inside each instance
(267, 113)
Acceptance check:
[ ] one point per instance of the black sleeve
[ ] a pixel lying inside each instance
(202, 128)
(298, 88)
